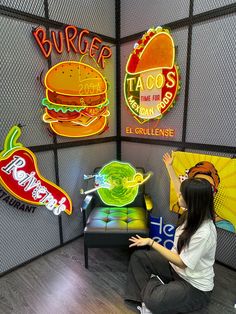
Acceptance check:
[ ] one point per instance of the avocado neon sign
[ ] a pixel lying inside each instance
(117, 183)
(152, 78)
(20, 176)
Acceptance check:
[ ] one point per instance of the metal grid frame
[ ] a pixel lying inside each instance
(183, 145)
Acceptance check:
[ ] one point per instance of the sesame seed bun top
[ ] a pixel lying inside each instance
(75, 79)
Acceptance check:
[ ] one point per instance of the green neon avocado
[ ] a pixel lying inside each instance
(117, 174)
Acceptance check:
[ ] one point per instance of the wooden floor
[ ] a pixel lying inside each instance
(58, 283)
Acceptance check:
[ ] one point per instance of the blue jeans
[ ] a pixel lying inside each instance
(176, 295)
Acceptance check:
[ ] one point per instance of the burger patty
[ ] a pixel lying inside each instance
(68, 100)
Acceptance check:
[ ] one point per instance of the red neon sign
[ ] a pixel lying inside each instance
(19, 175)
(72, 40)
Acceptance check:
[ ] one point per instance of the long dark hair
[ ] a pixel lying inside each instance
(198, 196)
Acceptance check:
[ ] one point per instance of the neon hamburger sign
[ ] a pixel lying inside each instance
(151, 82)
(76, 103)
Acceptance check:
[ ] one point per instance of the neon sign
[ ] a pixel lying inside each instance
(19, 175)
(76, 103)
(72, 40)
(168, 132)
(152, 78)
(117, 183)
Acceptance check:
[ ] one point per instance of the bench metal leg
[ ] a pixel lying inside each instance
(85, 255)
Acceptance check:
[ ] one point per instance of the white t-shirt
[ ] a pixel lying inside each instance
(198, 256)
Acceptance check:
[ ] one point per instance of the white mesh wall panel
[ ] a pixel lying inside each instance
(200, 6)
(212, 93)
(35, 7)
(150, 158)
(97, 16)
(139, 15)
(73, 164)
(174, 118)
(25, 235)
(21, 93)
(109, 72)
(226, 248)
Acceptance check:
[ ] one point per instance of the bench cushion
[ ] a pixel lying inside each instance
(115, 225)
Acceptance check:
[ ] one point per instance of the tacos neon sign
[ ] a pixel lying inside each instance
(72, 40)
(19, 175)
(152, 78)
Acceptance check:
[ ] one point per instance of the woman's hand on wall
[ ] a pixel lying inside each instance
(168, 159)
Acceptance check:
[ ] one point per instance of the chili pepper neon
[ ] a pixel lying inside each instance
(19, 175)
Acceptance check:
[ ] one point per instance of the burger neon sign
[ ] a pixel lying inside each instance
(19, 175)
(152, 78)
(76, 103)
(72, 40)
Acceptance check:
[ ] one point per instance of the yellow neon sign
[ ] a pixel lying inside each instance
(76, 103)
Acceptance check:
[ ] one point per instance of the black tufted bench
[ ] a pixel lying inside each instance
(113, 226)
